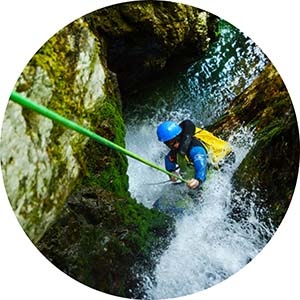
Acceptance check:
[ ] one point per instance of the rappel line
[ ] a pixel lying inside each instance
(26, 102)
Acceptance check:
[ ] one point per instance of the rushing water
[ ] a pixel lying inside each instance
(208, 246)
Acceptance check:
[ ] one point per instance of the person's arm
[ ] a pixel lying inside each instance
(199, 157)
(188, 130)
(170, 164)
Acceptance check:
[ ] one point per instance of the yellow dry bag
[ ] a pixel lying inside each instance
(216, 148)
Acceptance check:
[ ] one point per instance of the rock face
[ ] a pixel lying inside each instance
(42, 161)
(69, 193)
(147, 37)
(105, 241)
(271, 167)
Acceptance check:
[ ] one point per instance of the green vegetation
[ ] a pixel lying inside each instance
(271, 166)
(106, 236)
(104, 167)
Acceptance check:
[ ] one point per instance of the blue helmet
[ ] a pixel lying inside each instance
(168, 130)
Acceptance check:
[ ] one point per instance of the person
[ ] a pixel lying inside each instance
(186, 151)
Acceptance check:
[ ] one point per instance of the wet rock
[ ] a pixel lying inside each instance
(146, 37)
(104, 241)
(43, 161)
(271, 167)
(70, 193)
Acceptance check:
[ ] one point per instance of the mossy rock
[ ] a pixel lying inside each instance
(43, 161)
(102, 240)
(144, 38)
(270, 169)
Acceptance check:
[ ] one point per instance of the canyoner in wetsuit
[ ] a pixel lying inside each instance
(192, 150)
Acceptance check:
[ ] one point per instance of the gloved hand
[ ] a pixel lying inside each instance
(193, 183)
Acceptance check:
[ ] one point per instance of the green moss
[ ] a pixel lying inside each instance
(100, 237)
(101, 165)
(59, 57)
(271, 166)
(105, 167)
(143, 225)
(58, 60)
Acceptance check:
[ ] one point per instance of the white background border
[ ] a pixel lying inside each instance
(25, 26)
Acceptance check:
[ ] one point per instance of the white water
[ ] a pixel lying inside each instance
(208, 246)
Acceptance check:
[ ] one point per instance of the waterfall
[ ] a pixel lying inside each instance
(208, 246)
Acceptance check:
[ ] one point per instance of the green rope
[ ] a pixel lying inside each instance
(20, 99)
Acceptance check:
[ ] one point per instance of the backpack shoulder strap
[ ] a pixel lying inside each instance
(197, 136)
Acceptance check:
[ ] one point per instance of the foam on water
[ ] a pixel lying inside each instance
(208, 246)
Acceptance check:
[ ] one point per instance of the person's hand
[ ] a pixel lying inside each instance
(193, 183)
(173, 178)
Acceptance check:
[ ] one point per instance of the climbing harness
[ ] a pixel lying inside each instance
(20, 99)
(187, 169)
